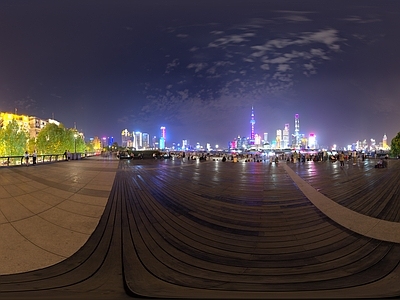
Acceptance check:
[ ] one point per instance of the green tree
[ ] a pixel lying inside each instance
(77, 141)
(395, 146)
(13, 139)
(89, 147)
(53, 139)
(31, 145)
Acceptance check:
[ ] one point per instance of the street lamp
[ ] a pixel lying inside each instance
(75, 136)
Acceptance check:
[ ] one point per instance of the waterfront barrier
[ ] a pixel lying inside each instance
(18, 160)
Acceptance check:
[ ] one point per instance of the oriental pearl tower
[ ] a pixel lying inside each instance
(252, 122)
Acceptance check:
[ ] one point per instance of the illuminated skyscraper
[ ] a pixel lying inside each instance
(154, 142)
(252, 122)
(285, 140)
(384, 142)
(137, 140)
(163, 137)
(162, 143)
(145, 140)
(297, 130)
(279, 139)
(312, 141)
(185, 144)
(126, 138)
(265, 137)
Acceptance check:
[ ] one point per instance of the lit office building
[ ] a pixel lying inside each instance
(126, 137)
(296, 131)
(163, 137)
(162, 143)
(303, 141)
(257, 140)
(373, 144)
(185, 144)
(35, 125)
(32, 125)
(279, 139)
(96, 143)
(137, 140)
(145, 140)
(285, 139)
(22, 121)
(154, 143)
(384, 143)
(265, 137)
(312, 141)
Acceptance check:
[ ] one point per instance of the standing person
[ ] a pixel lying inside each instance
(341, 159)
(354, 157)
(295, 157)
(34, 155)
(26, 156)
(66, 155)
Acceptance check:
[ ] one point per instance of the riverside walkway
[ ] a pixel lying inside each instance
(107, 229)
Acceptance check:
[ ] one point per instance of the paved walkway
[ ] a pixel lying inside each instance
(203, 230)
(48, 211)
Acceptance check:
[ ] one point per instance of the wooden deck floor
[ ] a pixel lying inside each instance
(228, 230)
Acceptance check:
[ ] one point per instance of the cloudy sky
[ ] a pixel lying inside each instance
(197, 67)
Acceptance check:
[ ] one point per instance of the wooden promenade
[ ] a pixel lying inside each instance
(223, 230)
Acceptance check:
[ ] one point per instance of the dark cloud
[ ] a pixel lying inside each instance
(146, 64)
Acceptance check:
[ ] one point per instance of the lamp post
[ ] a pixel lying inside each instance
(75, 136)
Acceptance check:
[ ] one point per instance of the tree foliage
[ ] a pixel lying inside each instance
(395, 145)
(31, 145)
(54, 139)
(89, 147)
(51, 139)
(13, 139)
(75, 141)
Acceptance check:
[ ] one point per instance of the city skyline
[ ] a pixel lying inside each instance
(284, 138)
(143, 65)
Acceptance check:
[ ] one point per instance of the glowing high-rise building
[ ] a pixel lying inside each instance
(312, 141)
(296, 131)
(145, 140)
(137, 140)
(252, 122)
(185, 144)
(163, 138)
(285, 140)
(279, 139)
(384, 142)
(126, 138)
(154, 142)
(265, 137)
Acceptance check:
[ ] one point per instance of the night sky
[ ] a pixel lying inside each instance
(197, 67)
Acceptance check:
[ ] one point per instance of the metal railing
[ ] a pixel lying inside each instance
(19, 160)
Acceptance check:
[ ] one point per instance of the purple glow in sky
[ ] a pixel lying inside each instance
(197, 67)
